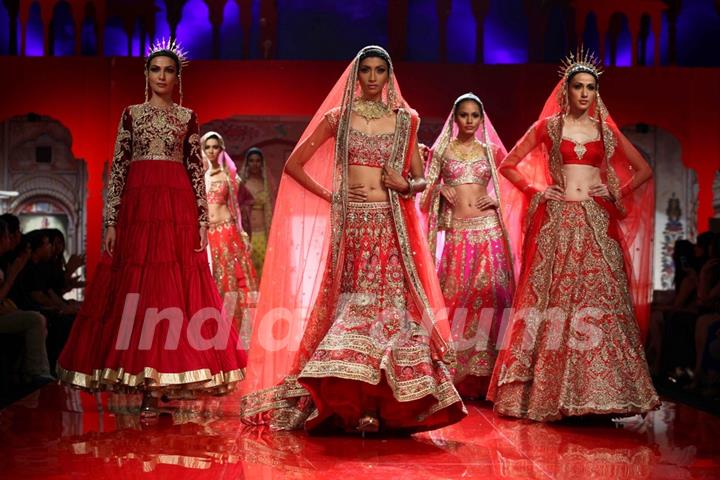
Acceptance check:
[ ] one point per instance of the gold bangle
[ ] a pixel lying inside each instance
(411, 190)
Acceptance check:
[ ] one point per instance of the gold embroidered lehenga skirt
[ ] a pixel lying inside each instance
(573, 347)
(376, 358)
(476, 280)
(233, 270)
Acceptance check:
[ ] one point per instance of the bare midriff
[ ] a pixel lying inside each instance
(578, 181)
(371, 178)
(466, 196)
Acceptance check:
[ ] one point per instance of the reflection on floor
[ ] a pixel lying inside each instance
(61, 433)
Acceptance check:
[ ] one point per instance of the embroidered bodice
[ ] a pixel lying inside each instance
(588, 153)
(460, 168)
(147, 132)
(217, 190)
(364, 149)
(369, 150)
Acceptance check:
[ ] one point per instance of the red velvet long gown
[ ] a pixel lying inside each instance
(151, 319)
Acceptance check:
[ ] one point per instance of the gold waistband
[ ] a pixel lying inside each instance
(471, 180)
(224, 223)
(476, 223)
(368, 206)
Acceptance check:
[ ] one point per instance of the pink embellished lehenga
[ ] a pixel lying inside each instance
(350, 311)
(574, 346)
(230, 259)
(475, 265)
(140, 326)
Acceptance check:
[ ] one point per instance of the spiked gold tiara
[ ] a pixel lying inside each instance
(581, 61)
(169, 45)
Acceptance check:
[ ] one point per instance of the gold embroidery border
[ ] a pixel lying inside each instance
(397, 162)
(484, 222)
(111, 379)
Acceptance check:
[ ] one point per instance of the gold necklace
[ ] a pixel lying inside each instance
(214, 171)
(476, 151)
(370, 109)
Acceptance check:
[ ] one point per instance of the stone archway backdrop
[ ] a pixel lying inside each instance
(39, 164)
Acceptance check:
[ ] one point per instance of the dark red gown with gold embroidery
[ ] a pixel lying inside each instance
(151, 318)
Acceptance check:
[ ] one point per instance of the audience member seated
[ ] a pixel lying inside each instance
(31, 325)
(684, 343)
(61, 273)
(707, 332)
(15, 236)
(32, 291)
(681, 302)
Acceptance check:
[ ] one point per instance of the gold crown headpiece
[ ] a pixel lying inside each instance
(581, 61)
(169, 45)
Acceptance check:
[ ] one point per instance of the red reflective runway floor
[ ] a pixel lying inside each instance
(60, 433)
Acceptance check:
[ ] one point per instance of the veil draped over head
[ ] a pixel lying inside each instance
(304, 258)
(438, 213)
(269, 185)
(228, 166)
(634, 210)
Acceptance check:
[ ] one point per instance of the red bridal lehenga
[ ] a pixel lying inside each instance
(346, 319)
(229, 248)
(475, 268)
(156, 201)
(574, 345)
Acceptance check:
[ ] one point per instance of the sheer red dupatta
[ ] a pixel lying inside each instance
(535, 163)
(300, 284)
(436, 212)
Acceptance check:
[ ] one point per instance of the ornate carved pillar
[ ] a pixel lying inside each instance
(100, 10)
(174, 14)
(537, 14)
(46, 15)
(398, 28)
(673, 11)
(656, 21)
(216, 9)
(480, 9)
(13, 9)
(603, 26)
(128, 23)
(78, 14)
(580, 22)
(645, 28)
(443, 8)
(571, 34)
(268, 28)
(245, 24)
(147, 31)
(611, 38)
(635, 25)
(24, 16)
